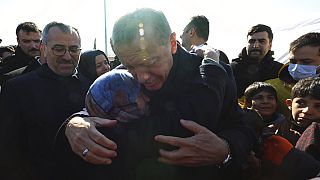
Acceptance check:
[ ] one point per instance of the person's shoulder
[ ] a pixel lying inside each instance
(235, 61)
(211, 69)
(223, 57)
(23, 78)
(276, 63)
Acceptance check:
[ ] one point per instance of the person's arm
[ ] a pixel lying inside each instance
(291, 162)
(87, 142)
(13, 162)
(206, 147)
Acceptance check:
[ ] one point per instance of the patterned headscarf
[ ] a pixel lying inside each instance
(113, 95)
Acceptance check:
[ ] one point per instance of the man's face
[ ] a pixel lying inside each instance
(29, 42)
(265, 103)
(58, 42)
(186, 36)
(307, 55)
(147, 61)
(305, 110)
(258, 45)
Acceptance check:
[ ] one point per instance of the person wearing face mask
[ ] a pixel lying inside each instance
(300, 71)
(304, 62)
(255, 62)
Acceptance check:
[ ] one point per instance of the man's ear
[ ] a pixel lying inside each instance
(192, 32)
(289, 103)
(173, 42)
(42, 48)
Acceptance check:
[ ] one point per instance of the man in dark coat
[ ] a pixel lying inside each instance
(255, 62)
(34, 105)
(180, 86)
(196, 34)
(28, 38)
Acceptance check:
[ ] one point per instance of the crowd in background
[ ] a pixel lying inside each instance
(162, 109)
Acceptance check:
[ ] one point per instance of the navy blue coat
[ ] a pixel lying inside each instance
(33, 107)
(199, 90)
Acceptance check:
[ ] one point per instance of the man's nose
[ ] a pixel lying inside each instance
(67, 55)
(142, 76)
(256, 44)
(265, 100)
(307, 110)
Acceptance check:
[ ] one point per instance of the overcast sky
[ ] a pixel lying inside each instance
(229, 19)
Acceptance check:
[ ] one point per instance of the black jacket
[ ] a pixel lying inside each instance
(202, 91)
(33, 106)
(13, 66)
(246, 70)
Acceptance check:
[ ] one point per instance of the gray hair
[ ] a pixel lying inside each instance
(141, 22)
(63, 27)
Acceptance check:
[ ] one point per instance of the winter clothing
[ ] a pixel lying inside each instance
(247, 70)
(198, 90)
(309, 140)
(87, 64)
(33, 106)
(13, 66)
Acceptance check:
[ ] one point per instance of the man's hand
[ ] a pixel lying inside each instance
(206, 51)
(204, 148)
(82, 134)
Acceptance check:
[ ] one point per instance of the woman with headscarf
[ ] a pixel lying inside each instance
(93, 63)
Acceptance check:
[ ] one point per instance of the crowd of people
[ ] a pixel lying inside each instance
(163, 110)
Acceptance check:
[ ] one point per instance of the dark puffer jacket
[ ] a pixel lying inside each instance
(247, 70)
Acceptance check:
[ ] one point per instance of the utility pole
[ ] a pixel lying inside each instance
(105, 28)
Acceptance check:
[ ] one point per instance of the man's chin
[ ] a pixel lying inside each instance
(152, 87)
(34, 53)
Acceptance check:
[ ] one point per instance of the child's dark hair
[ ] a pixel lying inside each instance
(307, 87)
(258, 87)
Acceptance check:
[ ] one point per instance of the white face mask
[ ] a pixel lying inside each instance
(299, 71)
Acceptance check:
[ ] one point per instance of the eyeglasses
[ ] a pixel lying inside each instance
(60, 51)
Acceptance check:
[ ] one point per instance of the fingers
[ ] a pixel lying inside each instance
(169, 156)
(193, 126)
(101, 122)
(82, 134)
(174, 141)
(212, 53)
(99, 138)
(93, 158)
(95, 137)
(199, 52)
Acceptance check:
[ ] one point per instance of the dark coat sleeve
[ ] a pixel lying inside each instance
(13, 163)
(300, 165)
(229, 116)
(223, 57)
